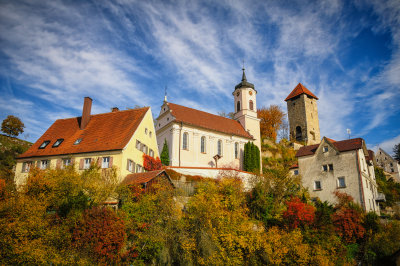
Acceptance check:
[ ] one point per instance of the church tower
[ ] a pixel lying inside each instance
(246, 108)
(303, 115)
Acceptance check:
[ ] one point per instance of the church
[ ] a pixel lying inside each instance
(203, 140)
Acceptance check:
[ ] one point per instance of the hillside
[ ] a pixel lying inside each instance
(10, 148)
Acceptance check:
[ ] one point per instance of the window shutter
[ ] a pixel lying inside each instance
(127, 164)
(99, 160)
(58, 164)
(81, 163)
(72, 161)
(111, 162)
(38, 164)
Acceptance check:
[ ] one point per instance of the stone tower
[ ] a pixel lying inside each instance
(303, 115)
(246, 108)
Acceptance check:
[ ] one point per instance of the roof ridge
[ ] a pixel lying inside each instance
(205, 112)
(119, 111)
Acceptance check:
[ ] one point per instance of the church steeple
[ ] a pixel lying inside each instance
(244, 75)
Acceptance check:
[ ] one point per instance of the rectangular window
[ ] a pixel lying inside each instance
(138, 145)
(87, 163)
(66, 162)
(131, 166)
(151, 153)
(296, 172)
(341, 182)
(325, 168)
(57, 143)
(331, 167)
(139, 168)
(105, 162)
(236, 150)
(325, 148)
(44, 164)
(145, 149)
(26, 166)
(317, 185)
(44, 144)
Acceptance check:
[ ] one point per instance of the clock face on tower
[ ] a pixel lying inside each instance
(250, 92)
(237, 94)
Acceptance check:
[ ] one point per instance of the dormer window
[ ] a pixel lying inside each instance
(77, 141)
(57, 143)
(44, 144)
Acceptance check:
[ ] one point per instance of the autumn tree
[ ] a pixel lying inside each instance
(101, 233)
(150, 163)
(12, 126)
(165, 154)
(298, 213)
(271, 121)
(348, 218)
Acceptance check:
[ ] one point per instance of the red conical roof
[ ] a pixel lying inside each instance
(300, 89)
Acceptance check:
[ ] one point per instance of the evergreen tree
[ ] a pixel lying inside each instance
(396, 151)
(251, 158)
(165, 154)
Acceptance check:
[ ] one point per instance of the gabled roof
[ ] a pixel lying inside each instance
(300, 89)
(343, 145)
(104, 132)
(141, 178)
(208, 121)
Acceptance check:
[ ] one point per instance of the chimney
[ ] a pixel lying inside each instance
(114, 109)
(87, 107)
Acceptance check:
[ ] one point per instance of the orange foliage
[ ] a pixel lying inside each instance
(151, 164)
(102, 233)
(271, 121)
(298, 213)
(348, 218)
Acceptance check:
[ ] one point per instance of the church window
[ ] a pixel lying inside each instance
(251, 105)
(238, 106)
(317, 185)
(220, 147)
(185, 141)
(203, 144)
(236, 150)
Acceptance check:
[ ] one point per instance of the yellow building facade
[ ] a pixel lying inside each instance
(117, 139)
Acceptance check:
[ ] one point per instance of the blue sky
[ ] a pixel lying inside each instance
(123, 53)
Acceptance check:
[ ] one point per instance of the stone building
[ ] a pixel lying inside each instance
(116, 139)
(303, 115)
(389, 165)
(345, 166)
(199, 139)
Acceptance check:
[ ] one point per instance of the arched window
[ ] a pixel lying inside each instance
(203, 144)
(220, 147)
(236, 150)
(238, 106)
(185, 141)
(251, 105)
(298, 133)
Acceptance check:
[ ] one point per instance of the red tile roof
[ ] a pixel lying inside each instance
(105, 132)
(300, 89)
(343, 145)
(208, 121)
(140, 178)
